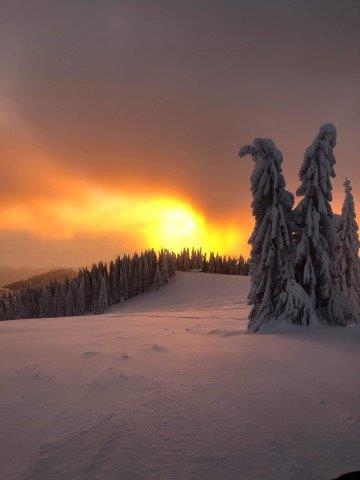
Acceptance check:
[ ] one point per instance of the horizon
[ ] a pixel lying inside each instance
(120, 132)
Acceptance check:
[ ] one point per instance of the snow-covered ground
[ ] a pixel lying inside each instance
(168, 386)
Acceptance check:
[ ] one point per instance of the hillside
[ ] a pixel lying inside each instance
(169, 386)
(10, 275)
(43, 279)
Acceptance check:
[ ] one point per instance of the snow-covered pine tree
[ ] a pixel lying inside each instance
(241, 265)
(135, 272)
(7, 310)
(193, 258)
(113, 282)
(218, 263)
(271, 239)
(2, 309)
(69, 302)
(140, 288)
(211, 266)
(314, 260)
(337, 223)
(80, 296)
(87, 285)
(348, 256)
(146, 274)
(164, 271)
(61, 305)
(95, 293)
(123, 287)
(45, 303)
(152, 262)
(186, 260)
(203, 263)
(55, 300)
(127, 276)
(172, 264)
(17, 305)
(157, 279)
(102, 301)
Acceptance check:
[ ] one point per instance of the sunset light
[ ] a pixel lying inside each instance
(159, 222)
(176, 225)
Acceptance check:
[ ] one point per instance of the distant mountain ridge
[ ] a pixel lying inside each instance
(43, 279)
(10, 274)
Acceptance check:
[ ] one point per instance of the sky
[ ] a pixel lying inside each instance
(120, 121)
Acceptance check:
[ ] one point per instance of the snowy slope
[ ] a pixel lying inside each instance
(168, 386)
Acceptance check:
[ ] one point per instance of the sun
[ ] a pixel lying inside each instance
(173, 224)
(177, 222)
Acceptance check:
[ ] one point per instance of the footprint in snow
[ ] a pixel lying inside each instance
(158, 348)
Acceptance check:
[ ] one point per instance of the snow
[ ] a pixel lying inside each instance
(169, 385)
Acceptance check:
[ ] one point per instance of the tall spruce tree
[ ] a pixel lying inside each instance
(348, 256)
(157, 279)
(69, 302)
(45, 303)
(123, 288)
(80, 297)
(271, 239)
(102, 301)
(164, 271)
(61, 306)
(146, 274)
(316, 235)
(113, 282)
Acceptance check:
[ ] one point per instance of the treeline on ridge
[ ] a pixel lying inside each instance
(213, 263)
(43, 279)
(94, 290)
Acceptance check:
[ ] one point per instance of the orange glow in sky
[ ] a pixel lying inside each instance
(55, 216)
(159, 221)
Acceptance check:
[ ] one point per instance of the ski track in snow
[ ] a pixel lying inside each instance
(170, 386)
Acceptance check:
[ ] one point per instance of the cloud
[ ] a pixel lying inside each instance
(127, 104)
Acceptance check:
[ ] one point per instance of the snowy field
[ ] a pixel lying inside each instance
(169, 386)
